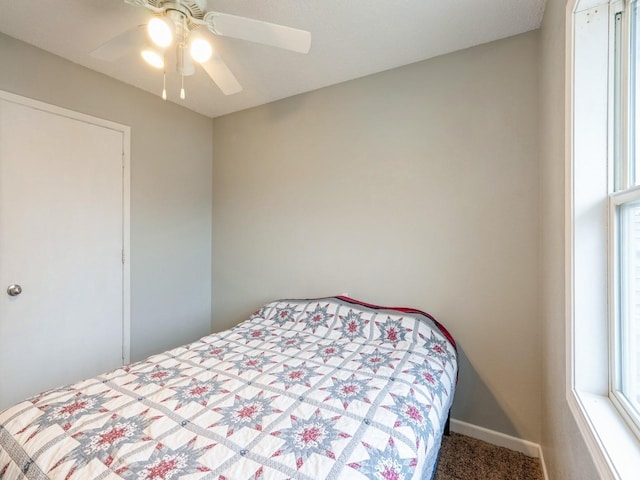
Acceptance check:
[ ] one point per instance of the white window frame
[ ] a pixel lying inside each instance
(620, 169)
(590, 73)
(627, 411)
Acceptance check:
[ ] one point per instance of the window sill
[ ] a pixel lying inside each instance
(614, 447)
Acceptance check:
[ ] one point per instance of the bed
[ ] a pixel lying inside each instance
(328, 388)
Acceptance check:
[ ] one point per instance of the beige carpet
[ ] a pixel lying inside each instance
(464, 458)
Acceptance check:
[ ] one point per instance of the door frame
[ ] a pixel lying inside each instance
(126, 199)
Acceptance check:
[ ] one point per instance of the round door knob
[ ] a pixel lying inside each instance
(14, 290)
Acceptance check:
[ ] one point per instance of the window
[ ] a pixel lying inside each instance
(624, 221)
(603, 233)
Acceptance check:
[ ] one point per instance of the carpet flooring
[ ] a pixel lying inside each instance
(465, 458)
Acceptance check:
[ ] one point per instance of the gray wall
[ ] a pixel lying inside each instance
(170, 190)
(565, 452)
(417, 186)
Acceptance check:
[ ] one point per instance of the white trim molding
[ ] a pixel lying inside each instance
(613, 447)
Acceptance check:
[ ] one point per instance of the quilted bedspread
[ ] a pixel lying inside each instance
(305, 389)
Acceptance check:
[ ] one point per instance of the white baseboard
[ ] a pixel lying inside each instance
(501, 440)
(545, 474)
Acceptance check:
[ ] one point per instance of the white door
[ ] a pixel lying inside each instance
(61, 242)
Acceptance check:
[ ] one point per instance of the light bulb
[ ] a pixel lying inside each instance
(160, 32)
(153, 58)
(201, 50)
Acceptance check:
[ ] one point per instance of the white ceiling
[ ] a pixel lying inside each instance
(350, 39)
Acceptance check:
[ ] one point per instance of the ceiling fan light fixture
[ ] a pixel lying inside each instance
(177, 21)
(152, 57)
(201, 50)
(160, 32)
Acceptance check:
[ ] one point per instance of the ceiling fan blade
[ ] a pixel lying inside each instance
(258, 31)
(120, 45)
(221, 75)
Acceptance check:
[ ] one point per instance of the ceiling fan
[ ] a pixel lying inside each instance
(177, 23)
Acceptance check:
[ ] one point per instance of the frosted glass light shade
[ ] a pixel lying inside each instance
(160, 32)
(153, 58)
(201, 50)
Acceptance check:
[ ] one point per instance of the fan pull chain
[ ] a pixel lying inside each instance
(164, 84)
(182, 46)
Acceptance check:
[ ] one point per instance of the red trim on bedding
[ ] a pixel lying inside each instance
(444, 331)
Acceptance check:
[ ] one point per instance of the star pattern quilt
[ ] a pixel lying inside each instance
(304, 389)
